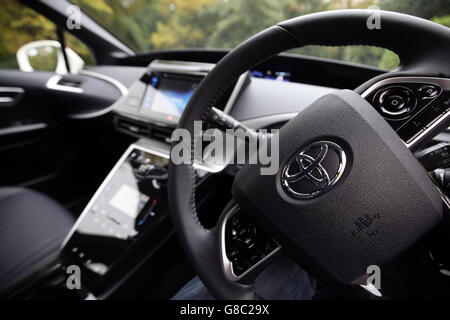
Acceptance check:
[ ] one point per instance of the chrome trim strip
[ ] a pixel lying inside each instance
(9, 101)
(444, 83)
(12, 89)
(52, 83)
(426, 131)
(23, 128)
(227, 265)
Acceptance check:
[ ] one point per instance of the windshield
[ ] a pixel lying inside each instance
(146, 25)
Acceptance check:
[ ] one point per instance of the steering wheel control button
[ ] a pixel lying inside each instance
(249, 242)
(313, 170)
(443, 102)
(233, 255)
(395, 102)
(247, 235)
(245, 246)
(435, 157)
(428, 116)
(429, 91)
(410, 131)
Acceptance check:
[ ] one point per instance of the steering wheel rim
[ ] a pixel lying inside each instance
(342, 27)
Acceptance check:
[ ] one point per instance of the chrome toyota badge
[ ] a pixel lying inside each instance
(313, 170)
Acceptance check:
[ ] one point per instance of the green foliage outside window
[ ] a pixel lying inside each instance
(20, 25)
(176, 24)
(146, 25)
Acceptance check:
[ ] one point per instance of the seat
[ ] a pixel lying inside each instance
(32, 228)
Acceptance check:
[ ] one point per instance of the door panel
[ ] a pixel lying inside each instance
(30, 137)
(38, 142)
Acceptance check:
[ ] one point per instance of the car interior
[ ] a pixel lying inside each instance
(94, 207)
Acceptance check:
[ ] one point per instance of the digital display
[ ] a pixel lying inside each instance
(271, 75)
(167, 97)
(132, 200)
(129, 200)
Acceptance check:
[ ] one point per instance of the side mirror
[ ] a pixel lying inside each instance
(47, 55)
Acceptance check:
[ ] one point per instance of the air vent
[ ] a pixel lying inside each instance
(69, 82)
(134, 128)
(142, 129)
(161, 133)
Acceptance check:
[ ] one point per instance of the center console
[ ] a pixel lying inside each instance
(131, 202)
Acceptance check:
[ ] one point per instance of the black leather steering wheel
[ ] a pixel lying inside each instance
(382, 178)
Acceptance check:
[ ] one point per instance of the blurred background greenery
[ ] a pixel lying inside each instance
(146, 25)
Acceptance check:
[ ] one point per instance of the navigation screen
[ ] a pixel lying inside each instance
(168, 96)
(129, 200)
(132, 200)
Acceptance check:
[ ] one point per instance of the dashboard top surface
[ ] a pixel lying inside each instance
(162, 90)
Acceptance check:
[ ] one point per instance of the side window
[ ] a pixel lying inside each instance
(29, 40)
(20, 25)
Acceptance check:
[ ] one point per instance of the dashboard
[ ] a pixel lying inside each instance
(413, 106)
(155, 102)
(131, 208)
(263, 98)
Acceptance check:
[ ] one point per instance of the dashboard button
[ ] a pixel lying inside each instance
(233, 255)
(235, 222)
(268, 248)
(429, 91)
(254, 259)
(444, 102)
(410, 131)
(429, 116)
(395, 102)
(241, 266)
(249, 242)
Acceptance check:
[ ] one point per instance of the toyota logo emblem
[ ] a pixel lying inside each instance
(313, 170)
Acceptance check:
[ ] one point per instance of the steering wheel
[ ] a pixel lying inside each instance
(377, 200)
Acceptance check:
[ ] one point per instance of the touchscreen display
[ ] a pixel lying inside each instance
(166, 97)
(133, 198)
(129, 200)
